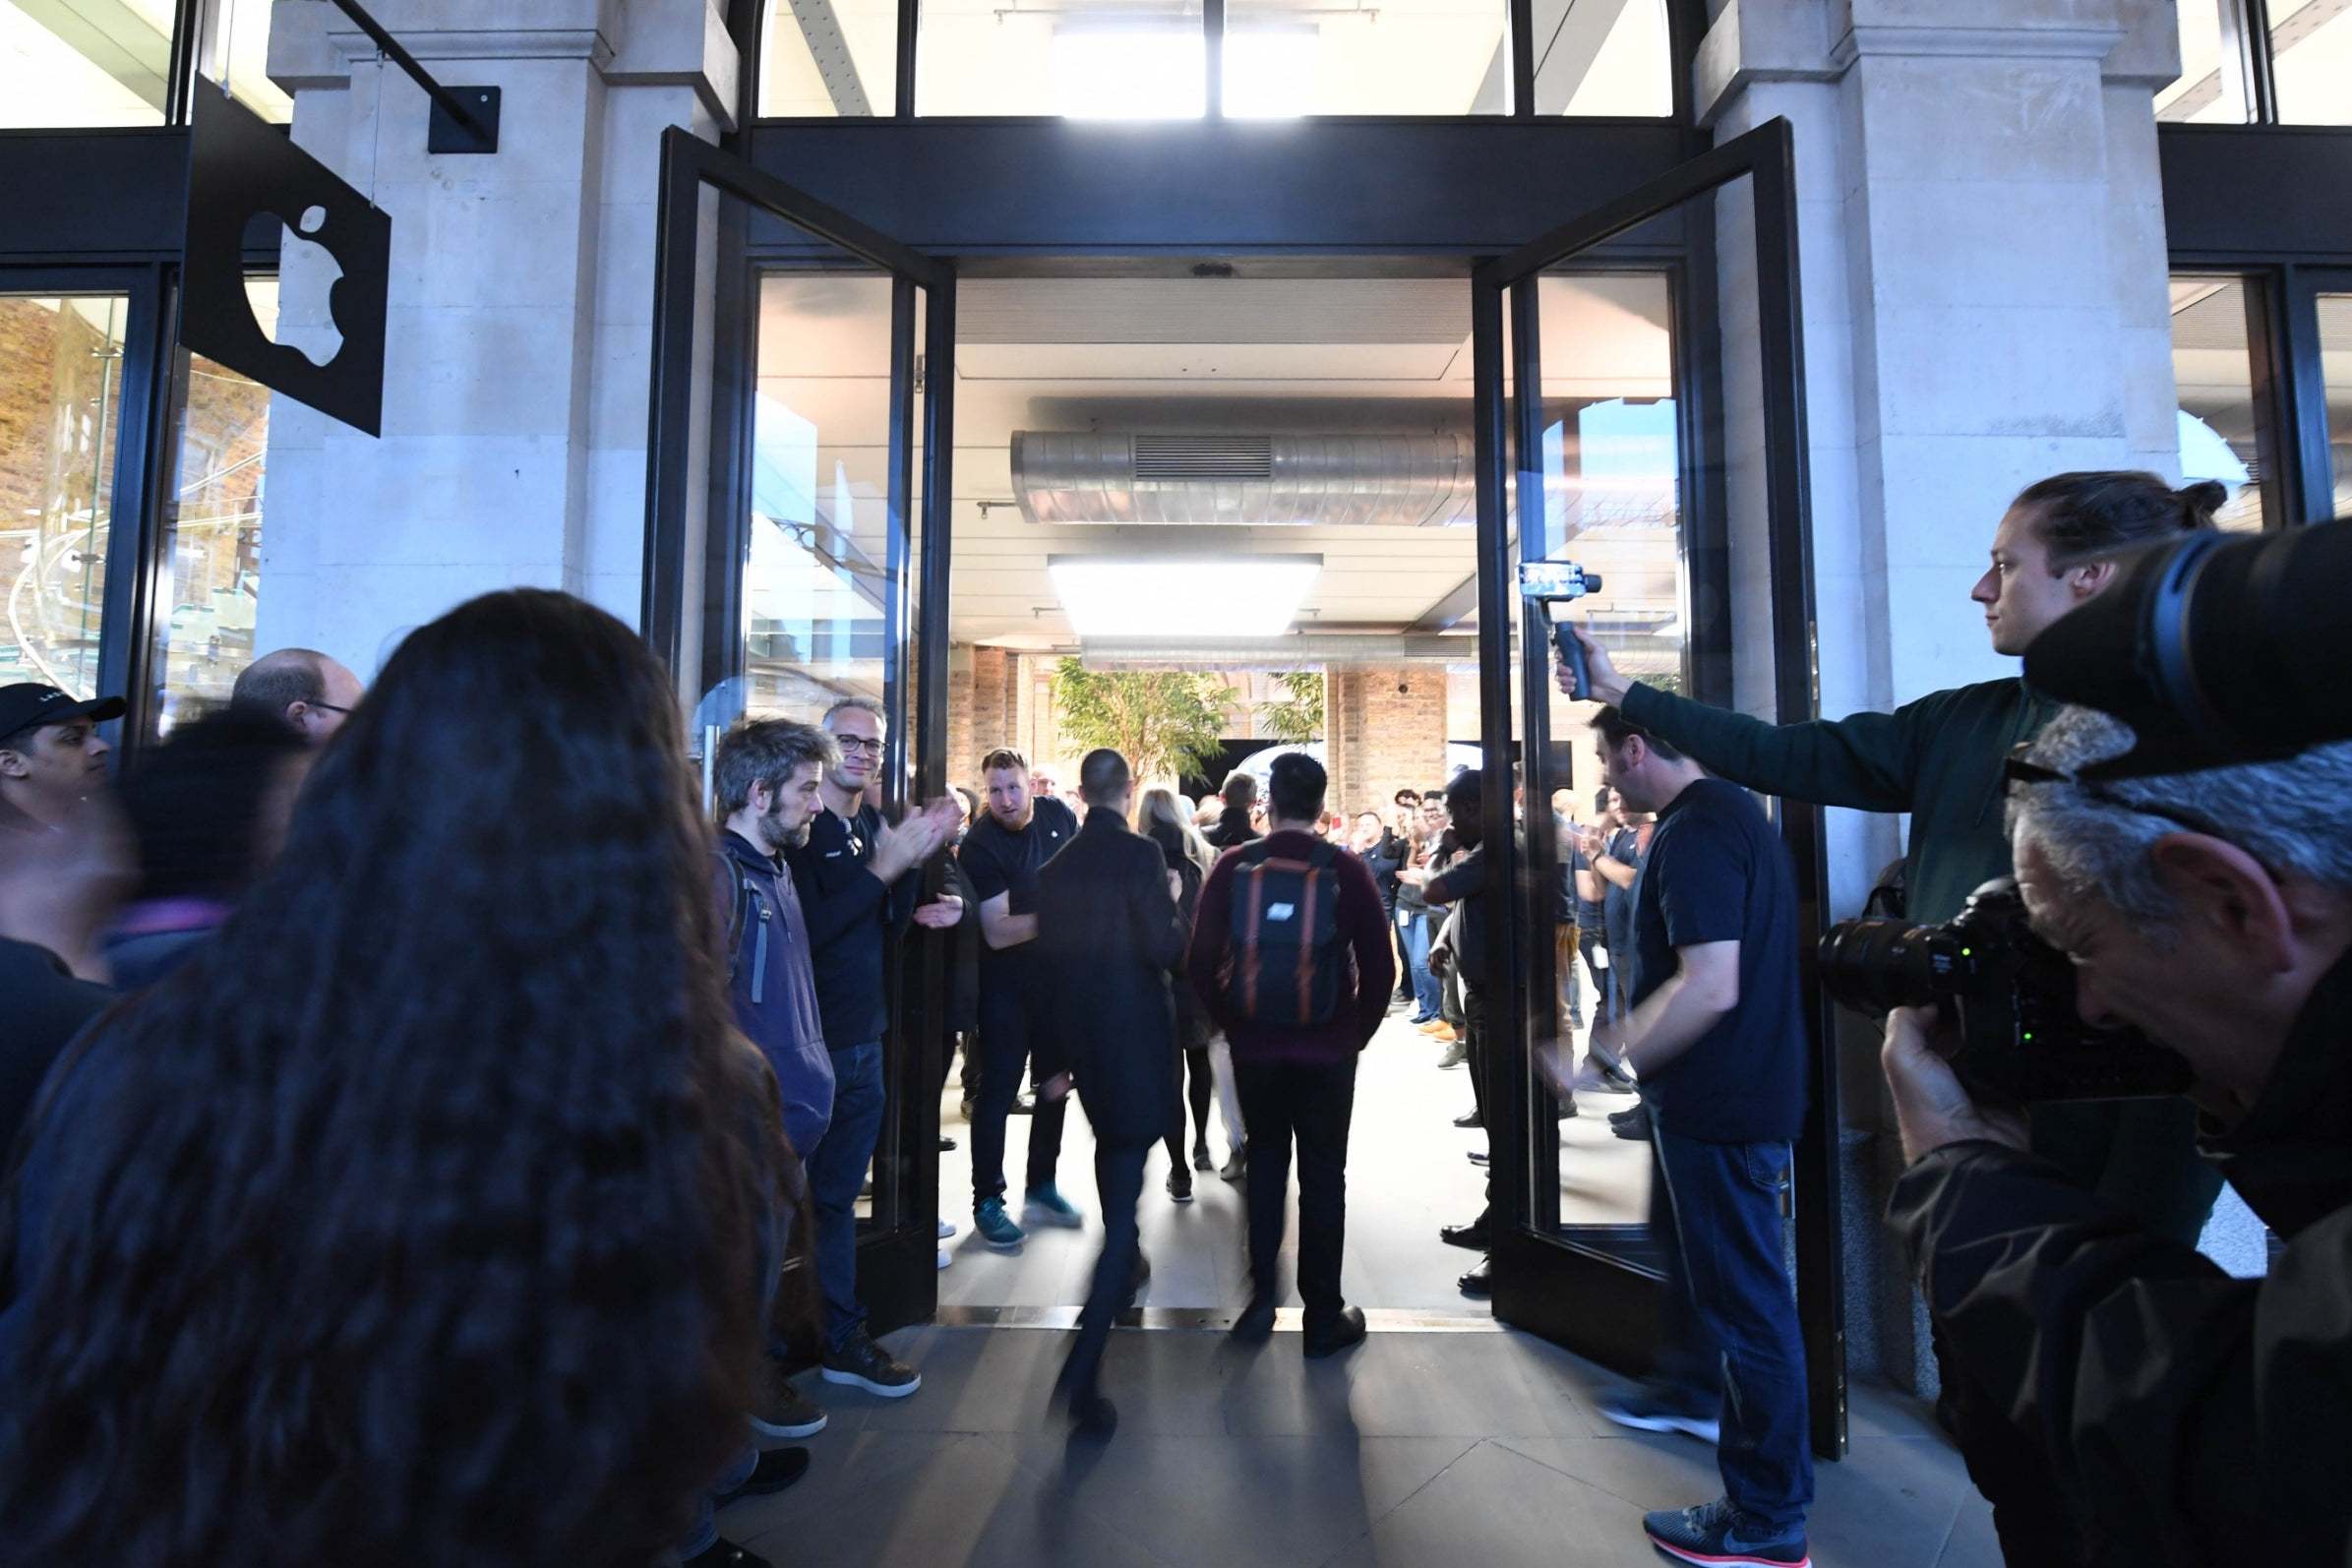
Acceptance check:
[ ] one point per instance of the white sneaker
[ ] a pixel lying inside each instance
(945, 1257)
(946, 1229)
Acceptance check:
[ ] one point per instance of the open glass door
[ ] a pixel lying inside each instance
(1706, 482)
(795, 546)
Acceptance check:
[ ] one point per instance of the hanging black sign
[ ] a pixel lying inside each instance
(240, 167)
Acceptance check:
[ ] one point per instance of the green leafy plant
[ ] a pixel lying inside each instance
(1296, 716)
(1164, 722)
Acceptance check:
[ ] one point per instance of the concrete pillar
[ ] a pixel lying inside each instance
(1981, 241)
(520, 310)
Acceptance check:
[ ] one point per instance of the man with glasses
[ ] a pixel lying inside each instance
(2118, 1395)
(852, 876)
(300, 687)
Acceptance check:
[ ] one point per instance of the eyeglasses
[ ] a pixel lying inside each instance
(872, 746)
(327, 708)
(2018, 769)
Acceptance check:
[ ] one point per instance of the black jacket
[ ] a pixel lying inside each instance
(1232, 829)
(1109, 932)
(47, 1007)
(2203, 1416)
(851, 916)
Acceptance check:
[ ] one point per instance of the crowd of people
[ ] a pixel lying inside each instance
(438, 1138)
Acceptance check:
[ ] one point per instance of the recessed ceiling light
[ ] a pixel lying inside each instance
(1183, 596)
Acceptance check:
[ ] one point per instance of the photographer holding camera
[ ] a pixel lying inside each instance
(1939, 759)
(2119, 1397)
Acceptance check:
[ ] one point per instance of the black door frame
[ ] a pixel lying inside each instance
(1547, 1283)
(897, 1271)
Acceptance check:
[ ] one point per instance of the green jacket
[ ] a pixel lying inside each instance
(1938, 758)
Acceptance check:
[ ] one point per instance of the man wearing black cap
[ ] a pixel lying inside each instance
(52, 755)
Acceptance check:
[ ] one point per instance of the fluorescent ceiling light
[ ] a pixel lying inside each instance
(1131, 72)
(1183, 596)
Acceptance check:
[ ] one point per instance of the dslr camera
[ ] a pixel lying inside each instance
(2023, 1042)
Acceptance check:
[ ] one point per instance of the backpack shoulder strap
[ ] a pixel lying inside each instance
(747, 898)
(1254, 852)
(1325, 854)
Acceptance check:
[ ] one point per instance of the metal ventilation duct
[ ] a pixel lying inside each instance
(1353, 481)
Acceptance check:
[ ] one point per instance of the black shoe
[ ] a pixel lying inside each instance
(1137, 1282)
(1479, 1157)
(1470, 1120)
(1477, 1284)
(1567, 1108)
(1094, 1415)
(778, 1469)
(1348, 1330)
(1256, 1321)
(1473, 1236)
(1202, 1160)
(724, 1553)
(1179, 1184)
(946, 1145)
(862, 1363)
(1633, 1126)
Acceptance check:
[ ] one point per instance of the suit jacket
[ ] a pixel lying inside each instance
(1108, 932)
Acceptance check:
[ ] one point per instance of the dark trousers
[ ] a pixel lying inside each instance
(1474, 1039)
(1727, 1202)
(1199, 1089)
(1013, 1036)
(1313, 1105)
(1118, 1181)
(836, 1171)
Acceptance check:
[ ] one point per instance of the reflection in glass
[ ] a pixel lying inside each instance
(825, 58)
(1603, 57)
(2203, 93)
(211, 583)
(1285, 57)
(60, 399)
(2214, 371)
(1611, 503)
(2335, 364)
(75, 65)
(2311, 61)
(1123, 59)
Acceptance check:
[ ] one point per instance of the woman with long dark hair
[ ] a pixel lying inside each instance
(417, 1217)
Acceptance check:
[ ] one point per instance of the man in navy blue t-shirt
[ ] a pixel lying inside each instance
(1717, 1037)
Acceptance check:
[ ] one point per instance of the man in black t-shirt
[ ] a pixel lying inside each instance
(1017, 833)
(1716, 1035)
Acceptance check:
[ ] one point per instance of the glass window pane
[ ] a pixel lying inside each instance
(1285, 57)
(61, 366)
(64, 64)
(237, 52)
(2311, 61)
(2198, 96)
(1603, 57)
(1612, 504)
(822, 58)
(2335, 360)
(211, 583)
(1097, 59)
(2214, 371)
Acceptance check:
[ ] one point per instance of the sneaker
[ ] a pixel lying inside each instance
(995, 1226)
(783, 1411)
(947, 1229)
(863, 1364)
(1429, 1025)
(1235, 1168)
(1455, 1055)
(724, 1553)
(1715, 1533)
(1445, 1031)
(1644, 1411)
(778, 1469)
(1046, 1206)
(1179, 1184)
(1202, 1160)
(1470, 1120)
(1632, 1126)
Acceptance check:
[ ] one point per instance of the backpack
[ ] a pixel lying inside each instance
(1285, 937)
(750, 905)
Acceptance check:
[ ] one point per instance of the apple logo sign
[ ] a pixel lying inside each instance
(318, 341)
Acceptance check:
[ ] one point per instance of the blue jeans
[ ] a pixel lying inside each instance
(1414, 936)
(1728, 1200)
(837, 1170)
(706, 1522)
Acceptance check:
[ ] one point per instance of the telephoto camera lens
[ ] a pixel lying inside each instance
(1879, 964)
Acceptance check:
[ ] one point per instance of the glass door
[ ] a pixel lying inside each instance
(796, 527)
(1690, 508)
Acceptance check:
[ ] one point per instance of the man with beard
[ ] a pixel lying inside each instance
(52, 755)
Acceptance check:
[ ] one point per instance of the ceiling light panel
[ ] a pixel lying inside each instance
(1183, 596)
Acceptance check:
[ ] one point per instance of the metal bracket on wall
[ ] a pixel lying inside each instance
(465, 119)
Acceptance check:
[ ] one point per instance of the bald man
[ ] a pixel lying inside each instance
(300, 687)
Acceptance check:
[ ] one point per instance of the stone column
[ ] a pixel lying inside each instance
(520, 310)
(1982, 249)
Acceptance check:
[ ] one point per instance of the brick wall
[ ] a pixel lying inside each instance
(1387, 731)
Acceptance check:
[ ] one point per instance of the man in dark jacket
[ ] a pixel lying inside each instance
(2121, 1398)
(1107, 921)
(854, 877)
(1233, 828)
(1297, 1080)
(56, 889)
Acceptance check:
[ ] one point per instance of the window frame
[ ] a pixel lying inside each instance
(2248, 66)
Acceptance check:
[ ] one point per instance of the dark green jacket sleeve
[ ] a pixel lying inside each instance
(1868, 762)
(2200, 1416)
